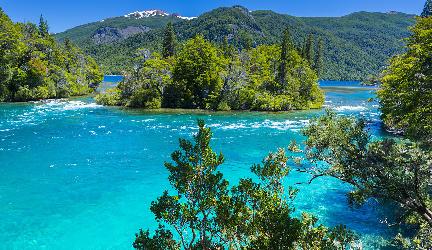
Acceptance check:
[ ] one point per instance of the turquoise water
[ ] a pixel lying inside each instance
(75, 175)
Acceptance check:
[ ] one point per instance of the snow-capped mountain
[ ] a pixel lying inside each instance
(151, 13)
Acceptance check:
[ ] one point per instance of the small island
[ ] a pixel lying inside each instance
(203, 75)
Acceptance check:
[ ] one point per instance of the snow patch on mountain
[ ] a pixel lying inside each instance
(152, 13)
(183, 17)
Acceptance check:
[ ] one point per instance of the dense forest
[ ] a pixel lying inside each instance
(202, 75)
(356, 46)
(33, 65)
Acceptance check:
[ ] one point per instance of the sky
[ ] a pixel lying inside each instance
(65, 14)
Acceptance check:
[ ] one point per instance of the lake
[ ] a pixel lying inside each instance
(76, 175)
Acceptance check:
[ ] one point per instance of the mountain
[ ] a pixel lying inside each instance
(356, 46)
(119, 28)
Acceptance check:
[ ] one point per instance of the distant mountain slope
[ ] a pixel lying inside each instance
(356, 45)
(128, 25)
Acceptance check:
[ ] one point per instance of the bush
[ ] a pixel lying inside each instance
(23, 94)
(111, 97)
(145, 98)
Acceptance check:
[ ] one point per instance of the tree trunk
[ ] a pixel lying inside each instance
(427, 215)
(424, 212)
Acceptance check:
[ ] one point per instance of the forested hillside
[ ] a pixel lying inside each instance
(355, 46)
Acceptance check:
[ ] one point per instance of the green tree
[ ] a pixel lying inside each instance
(244, 40)
(318, 64)
(147, 86)
(197, 75)
(34, 66)
(227, 48)
(406, 92)
(11, 49)
(169, 42)
(43, 26)
(195, 178)
(286, 47)
(387, 170)
(427, 10)
(143, 87)
(207, 77)
(205, 214)
(309, 49)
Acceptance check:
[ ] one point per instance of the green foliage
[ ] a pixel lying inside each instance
(356, 45)
(427, 10)
(319, 64)
(286, 46)
(406, 91)
(112, 97)
(169, 43)
(390, 171)
(34, 66)
(43, 27)
(309, 49)
(205, 213)
(145, 87)
(204, 76)
(163, 239)
(197, 75)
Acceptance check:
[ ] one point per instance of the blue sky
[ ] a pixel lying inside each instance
(64, 14)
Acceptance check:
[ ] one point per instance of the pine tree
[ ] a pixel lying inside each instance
(318, 65)
(303, 49)
(43, 27)
(68, 44)
(170, 41)
(310, 49)
(227, 48)
(286, 46)
(427, 11)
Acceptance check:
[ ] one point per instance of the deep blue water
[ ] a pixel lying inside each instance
(112, 78)
(109, 81)
(75, 175)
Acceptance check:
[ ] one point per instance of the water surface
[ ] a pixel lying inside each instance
(75, 175)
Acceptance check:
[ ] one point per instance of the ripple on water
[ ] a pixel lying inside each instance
(90, 173)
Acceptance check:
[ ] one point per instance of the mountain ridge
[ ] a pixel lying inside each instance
(357, 45)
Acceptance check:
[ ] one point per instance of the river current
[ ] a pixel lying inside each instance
(76, 175)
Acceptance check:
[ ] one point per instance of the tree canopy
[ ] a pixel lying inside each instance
(205, 76)
(34, 66)
(392, 171)
(406, 91)
(207, 213)
(169, 42)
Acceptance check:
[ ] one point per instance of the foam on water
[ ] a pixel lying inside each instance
(350, 108)
(63, 104)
